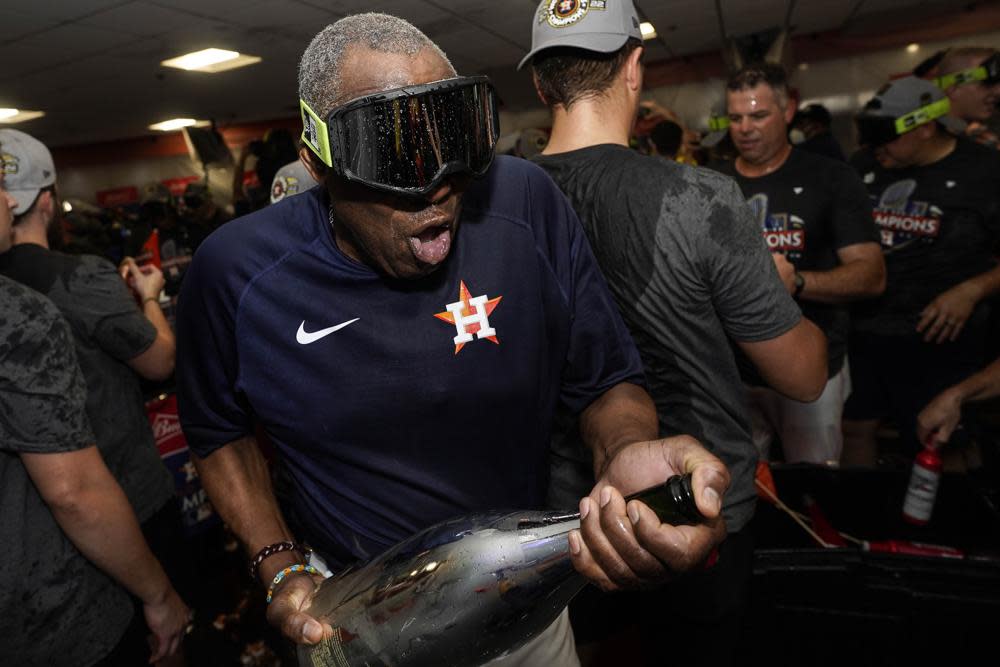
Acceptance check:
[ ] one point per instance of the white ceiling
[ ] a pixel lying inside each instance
(93, 65)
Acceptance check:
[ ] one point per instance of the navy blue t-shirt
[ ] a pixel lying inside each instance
(387, 425)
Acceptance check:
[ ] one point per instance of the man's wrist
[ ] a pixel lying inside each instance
(799, 281)
(275, 564)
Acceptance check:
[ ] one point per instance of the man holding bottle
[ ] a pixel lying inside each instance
(407, 375)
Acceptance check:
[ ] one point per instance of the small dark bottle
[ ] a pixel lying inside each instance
(465, 591)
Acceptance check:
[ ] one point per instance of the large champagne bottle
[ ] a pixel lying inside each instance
(464, 591)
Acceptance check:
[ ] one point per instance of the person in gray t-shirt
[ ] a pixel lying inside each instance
(690, 274)
(114, 338)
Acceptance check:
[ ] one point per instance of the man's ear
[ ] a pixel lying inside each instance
(538, 88)
(313, 164)
(790, 108)
(633, 69)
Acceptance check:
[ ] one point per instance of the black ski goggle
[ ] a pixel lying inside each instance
(988, 73)
(407, 140)
(875, 131)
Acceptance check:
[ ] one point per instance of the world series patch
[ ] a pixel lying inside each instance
(562, 13)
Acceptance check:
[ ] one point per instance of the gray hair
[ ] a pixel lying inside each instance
(319, 69)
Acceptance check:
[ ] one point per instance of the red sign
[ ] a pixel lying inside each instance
(196, 510)
(118, 197)
(177, 185)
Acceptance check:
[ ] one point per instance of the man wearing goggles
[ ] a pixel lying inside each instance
(971, 79)
(936, 203)
(403, 332)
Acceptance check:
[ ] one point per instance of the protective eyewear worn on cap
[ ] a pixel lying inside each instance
(407, 140)
(875, 131)
(718, 123)
(988, 73)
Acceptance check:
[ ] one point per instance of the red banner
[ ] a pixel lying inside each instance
(118, 197)
(196, 509)
(177, 185)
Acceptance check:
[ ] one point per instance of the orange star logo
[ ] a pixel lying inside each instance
(470, 316)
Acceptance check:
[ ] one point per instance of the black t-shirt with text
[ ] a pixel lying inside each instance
(938, 226)
(808, 209)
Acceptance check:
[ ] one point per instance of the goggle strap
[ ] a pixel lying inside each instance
(717, 123)
(315, 134)
(958, 78)
(923, 115)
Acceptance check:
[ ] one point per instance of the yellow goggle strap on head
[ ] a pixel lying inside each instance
(959, 78)
(315, 134)
(718, 123)
(923, 115)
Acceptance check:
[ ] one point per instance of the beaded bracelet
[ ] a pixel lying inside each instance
(276, 548)
(278, 578)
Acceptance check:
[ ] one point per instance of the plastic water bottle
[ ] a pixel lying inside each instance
(922, 491)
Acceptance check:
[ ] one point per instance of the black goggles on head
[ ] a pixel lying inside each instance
(988, 73)
(875, 131)
(407, 140)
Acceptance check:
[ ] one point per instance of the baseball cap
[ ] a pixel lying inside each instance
(903, 105)
(290, 180)
(594, 25)
(718, 127)
(155, 193)
(27, 167)
(814, 112)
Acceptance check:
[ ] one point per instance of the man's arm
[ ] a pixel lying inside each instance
(627, 546)
(860, 275)
(238, 482)
(944, 318)
(937, 421)
(90, 507)
(157, 361)
(794, 363)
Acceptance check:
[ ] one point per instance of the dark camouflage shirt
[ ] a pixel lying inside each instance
(108, 330)
(56, 608)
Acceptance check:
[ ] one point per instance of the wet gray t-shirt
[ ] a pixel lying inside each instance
(56, 608)
(686, 263)
(108, 329)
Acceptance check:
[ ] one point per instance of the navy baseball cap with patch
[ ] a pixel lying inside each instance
(27, 167)
(593, 25)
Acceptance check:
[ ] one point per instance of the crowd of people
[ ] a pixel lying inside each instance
(415, 328)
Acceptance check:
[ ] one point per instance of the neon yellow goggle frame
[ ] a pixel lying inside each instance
(718, 123)
(315, 134)
(922, 115)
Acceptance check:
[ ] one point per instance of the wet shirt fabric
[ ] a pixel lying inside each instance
(398, 404)
(108, 330)
(938, 223)
(808, 209)
(688, 269)
(56, 608)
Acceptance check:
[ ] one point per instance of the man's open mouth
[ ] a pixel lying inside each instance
(431, 246)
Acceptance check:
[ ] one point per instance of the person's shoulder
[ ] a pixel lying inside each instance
(268, 233)
(512, 188)
(27, 313)
(824, 168)
(973, 151)
(862, 160)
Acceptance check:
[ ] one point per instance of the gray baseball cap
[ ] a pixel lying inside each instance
(290, 180)
(27, 167)
(718, 126)
(594, 25)
(910, 102)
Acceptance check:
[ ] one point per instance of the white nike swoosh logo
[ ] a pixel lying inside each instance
(305, 337)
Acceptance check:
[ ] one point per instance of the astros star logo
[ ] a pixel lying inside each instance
(470, 315)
